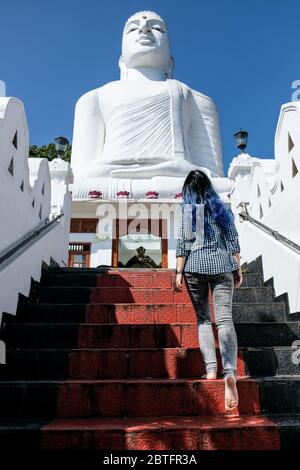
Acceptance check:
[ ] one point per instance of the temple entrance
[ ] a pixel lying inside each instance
(79, 255)
(140, 244)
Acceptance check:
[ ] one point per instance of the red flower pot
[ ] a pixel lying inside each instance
(95, 194)
(123, 193)
(152, 194)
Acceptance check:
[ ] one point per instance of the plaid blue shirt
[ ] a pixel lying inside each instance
(216, 255)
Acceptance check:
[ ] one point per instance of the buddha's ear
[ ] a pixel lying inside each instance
(171, 66)
(123, 69)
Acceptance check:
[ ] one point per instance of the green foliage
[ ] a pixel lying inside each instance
(48, 151)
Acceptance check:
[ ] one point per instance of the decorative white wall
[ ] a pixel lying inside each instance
(271, 189)
(26, 205)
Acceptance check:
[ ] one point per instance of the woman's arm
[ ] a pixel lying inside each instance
(237, 257)
(182, 252)
(231, 236)
(180, 262)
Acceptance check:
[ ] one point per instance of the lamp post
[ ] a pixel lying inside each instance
(61, 144)
(241, 139)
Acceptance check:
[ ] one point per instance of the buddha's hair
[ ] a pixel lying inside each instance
(148, 13)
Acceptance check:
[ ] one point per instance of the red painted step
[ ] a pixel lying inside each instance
(161, 433)
(159, 397)
(136, 279)
(140, 295)
(141, 363)
(156, 295)
(141, 313)
(128, 379)
(138, 336)
(44, 335)
(110, 363)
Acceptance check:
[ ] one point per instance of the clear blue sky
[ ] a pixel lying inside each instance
(242, 53)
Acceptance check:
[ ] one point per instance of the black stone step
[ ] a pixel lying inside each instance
(28, 399)
(59, 363)
(90, 280)
(51, 313)
(49, 335)
(75, 313)
(259, 312)
(101, 397)
(46, 294)
(250, 334)
(72, 280)
(76, 336)
(38, 398)
(20, 441)
(289, 429)
(279, 394)
(272, 361)
(267, 334)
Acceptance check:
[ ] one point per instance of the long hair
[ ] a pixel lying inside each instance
(197, 189)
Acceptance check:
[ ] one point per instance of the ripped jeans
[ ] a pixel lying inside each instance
(222, 287)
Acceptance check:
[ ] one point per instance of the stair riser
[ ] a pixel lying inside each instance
(58, 439)
(113, 364)
(101, 336)
(270, 312)
(141, 314)
(108, 364)
(280, 396)
(260, 438)
(141, 335)
(267, 335)
(134, 295)
(123, 399)
(270, 362)
(132, 280)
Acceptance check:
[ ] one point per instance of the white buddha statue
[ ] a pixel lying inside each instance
(145, 131)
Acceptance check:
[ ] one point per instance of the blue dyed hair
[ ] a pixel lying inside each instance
(197, 189)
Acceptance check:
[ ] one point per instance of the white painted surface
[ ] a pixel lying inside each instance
(19, 216)
(101, 251)
(258, 182)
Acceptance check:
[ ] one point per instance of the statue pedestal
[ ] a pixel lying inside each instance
(166, 186)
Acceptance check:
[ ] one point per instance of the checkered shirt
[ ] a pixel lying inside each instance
(216, 255)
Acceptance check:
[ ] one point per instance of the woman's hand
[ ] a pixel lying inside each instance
(178, 282)
(238, 277)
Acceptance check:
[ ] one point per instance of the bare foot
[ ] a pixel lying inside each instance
(209, 376)
(231, 393)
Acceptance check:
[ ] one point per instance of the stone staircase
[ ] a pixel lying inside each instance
(109, 360)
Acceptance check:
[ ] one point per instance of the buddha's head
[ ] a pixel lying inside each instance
(141, 251)
(146, 43)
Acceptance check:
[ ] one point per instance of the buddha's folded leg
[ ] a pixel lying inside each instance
(97, 169)
(176, 167)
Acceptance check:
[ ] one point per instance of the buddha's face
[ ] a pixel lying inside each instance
(141, 251)
(145, 42)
